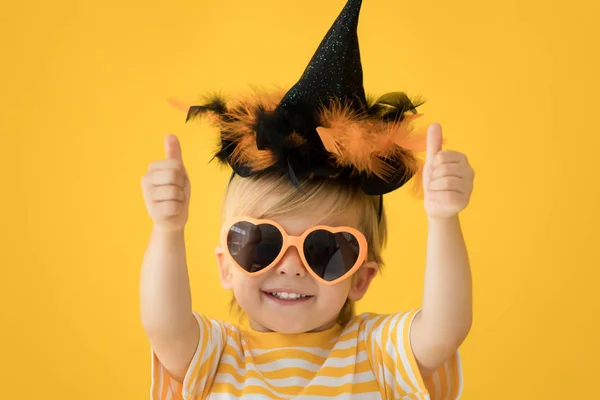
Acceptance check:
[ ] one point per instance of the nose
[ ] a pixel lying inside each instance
(291, 264)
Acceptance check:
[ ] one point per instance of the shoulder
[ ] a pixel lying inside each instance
(386, 340)
(369, 321)
(216, 329)
(382, 328)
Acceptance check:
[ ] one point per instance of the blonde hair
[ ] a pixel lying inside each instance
(273, 196)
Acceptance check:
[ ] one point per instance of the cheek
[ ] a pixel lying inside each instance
(245, 288)
(334, 296)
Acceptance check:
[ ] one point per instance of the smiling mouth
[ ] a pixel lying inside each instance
(287, 296)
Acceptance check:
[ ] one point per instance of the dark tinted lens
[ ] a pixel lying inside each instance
(254, 247)
(331, 255)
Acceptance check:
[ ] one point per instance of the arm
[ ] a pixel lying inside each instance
(166, 302)
(446, 315)
(165, 298)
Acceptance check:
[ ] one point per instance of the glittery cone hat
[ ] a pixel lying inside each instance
(324, 127)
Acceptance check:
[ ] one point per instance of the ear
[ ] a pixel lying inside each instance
(225, 272)
(362, 280)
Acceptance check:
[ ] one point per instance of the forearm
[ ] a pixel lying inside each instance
(447, 302)
(166, 302)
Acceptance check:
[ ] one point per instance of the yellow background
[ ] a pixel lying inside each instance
(83, 112)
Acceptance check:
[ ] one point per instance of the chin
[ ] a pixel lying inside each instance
(289, 317)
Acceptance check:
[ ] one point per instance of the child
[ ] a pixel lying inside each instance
(303, 229)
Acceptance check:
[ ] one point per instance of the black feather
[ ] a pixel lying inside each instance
(272, 129)
(216, 104)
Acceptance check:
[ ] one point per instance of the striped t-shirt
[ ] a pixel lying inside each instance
(369, 358)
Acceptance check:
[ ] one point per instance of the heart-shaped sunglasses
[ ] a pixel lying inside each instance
(330, 254)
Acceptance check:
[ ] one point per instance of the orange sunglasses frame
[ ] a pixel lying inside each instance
(297, 242)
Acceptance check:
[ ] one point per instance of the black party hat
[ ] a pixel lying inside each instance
(324, 127)
(335, 70)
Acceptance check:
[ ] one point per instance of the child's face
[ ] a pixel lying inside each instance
(324, 302)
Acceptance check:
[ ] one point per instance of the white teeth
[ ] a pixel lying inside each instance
(288, 296)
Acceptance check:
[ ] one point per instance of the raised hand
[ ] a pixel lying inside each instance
(166, 188)
(447, 178)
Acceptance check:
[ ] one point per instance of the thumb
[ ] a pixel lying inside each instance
(173, 148)
(434, 140)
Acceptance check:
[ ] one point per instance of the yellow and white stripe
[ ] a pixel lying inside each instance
(370, 358)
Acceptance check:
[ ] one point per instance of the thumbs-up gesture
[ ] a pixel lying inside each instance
(166, 188)
(447, 178)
